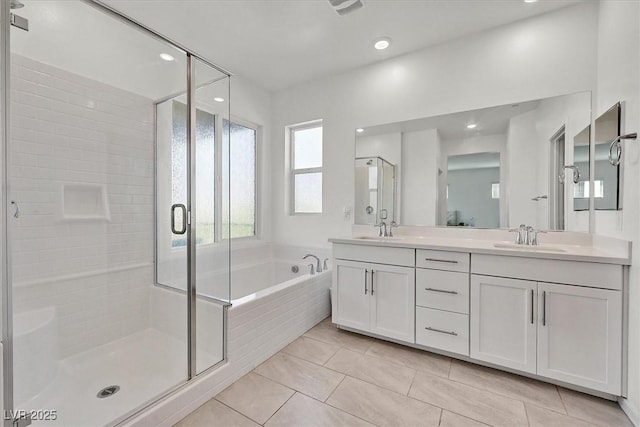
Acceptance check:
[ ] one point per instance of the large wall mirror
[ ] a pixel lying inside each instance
(607, 194)
(496, 167)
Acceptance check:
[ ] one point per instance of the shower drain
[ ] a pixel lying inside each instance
(108, 391)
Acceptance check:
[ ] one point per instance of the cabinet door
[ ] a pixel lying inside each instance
(351, 294)
(503, 328)
(393, 302)
(580, 336)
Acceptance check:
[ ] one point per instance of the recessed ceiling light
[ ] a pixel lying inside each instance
(382, 43)
(471, 126)
(218, 99)
(530, 1)
(167, 57)
(359, 130)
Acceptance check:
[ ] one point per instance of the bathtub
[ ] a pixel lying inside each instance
(271, 306)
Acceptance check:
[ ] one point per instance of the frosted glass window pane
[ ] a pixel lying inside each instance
(240, 221)
(205, 177)
(307, 148)
(205, 172)
(308, 192)
(179, 163)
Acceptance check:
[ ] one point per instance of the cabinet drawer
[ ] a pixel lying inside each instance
(442, 260)
(442, 330)
(375, 254)
(444, 290)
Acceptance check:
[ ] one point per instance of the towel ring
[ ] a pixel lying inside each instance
(617, 144)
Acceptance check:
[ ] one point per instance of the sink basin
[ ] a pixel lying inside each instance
(538, 248)
(376, 238)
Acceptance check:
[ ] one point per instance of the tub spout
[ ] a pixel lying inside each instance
(318, 266)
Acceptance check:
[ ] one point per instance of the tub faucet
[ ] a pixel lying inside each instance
(318, 266)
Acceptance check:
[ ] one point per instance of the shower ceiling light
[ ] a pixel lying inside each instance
(359, 130)
(530, 1)
(218, 99)
(167, 57)
(382, 43)
(471, 126)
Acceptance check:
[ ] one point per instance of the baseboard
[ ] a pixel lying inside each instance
(631, 413)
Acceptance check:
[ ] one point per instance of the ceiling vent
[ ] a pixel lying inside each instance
(342, 7)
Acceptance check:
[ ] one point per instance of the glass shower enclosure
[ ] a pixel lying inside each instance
(116, 265)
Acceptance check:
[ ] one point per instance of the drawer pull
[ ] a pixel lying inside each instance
(429, 328)
(450, 261)
(441, 290)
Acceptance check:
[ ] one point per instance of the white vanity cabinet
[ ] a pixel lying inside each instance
(558, 318)
(373, 297)
(569, 333)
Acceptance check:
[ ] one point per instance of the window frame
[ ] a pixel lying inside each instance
(303, 171)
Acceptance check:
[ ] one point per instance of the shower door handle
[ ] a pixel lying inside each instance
(173, 218)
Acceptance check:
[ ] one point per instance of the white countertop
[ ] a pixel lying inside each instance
(595, 249)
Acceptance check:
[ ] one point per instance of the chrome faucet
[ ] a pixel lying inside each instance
(318, 266)
(392, 224)
(521, 237)
(383, 229)
(532, 235)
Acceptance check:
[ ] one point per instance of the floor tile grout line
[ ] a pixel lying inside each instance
(564, 405)
(510, 397)
(526, 414)
(333, 391)
(398, 364)
(234, 410)
(281, 406)
(326, 402)
(440, 417)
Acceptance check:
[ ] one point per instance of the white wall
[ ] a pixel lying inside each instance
(505, 65)
(618, 80)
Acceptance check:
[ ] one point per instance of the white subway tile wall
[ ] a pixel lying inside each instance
(67, 130)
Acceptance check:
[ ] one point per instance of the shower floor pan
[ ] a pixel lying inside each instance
(144, 365)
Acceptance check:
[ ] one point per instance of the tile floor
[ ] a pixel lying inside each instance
(329, 377)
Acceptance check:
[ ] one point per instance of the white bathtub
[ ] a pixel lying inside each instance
(271, 307)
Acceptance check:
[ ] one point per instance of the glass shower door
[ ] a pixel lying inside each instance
(93, 338)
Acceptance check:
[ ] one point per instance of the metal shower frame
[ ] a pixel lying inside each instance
(5, 247)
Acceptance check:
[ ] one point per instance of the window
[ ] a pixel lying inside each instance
(235, 216)
(306, 168)
(205, 147)
(581, 189)
(495, 190)
(241, 220)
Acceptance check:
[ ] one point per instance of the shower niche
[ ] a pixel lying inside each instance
(85, 202)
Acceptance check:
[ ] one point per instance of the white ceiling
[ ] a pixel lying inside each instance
(281, 43)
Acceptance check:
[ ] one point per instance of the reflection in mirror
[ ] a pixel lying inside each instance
(375, 190)
(581, 161)
(606, 181)
(473, 190)
(529, 149)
